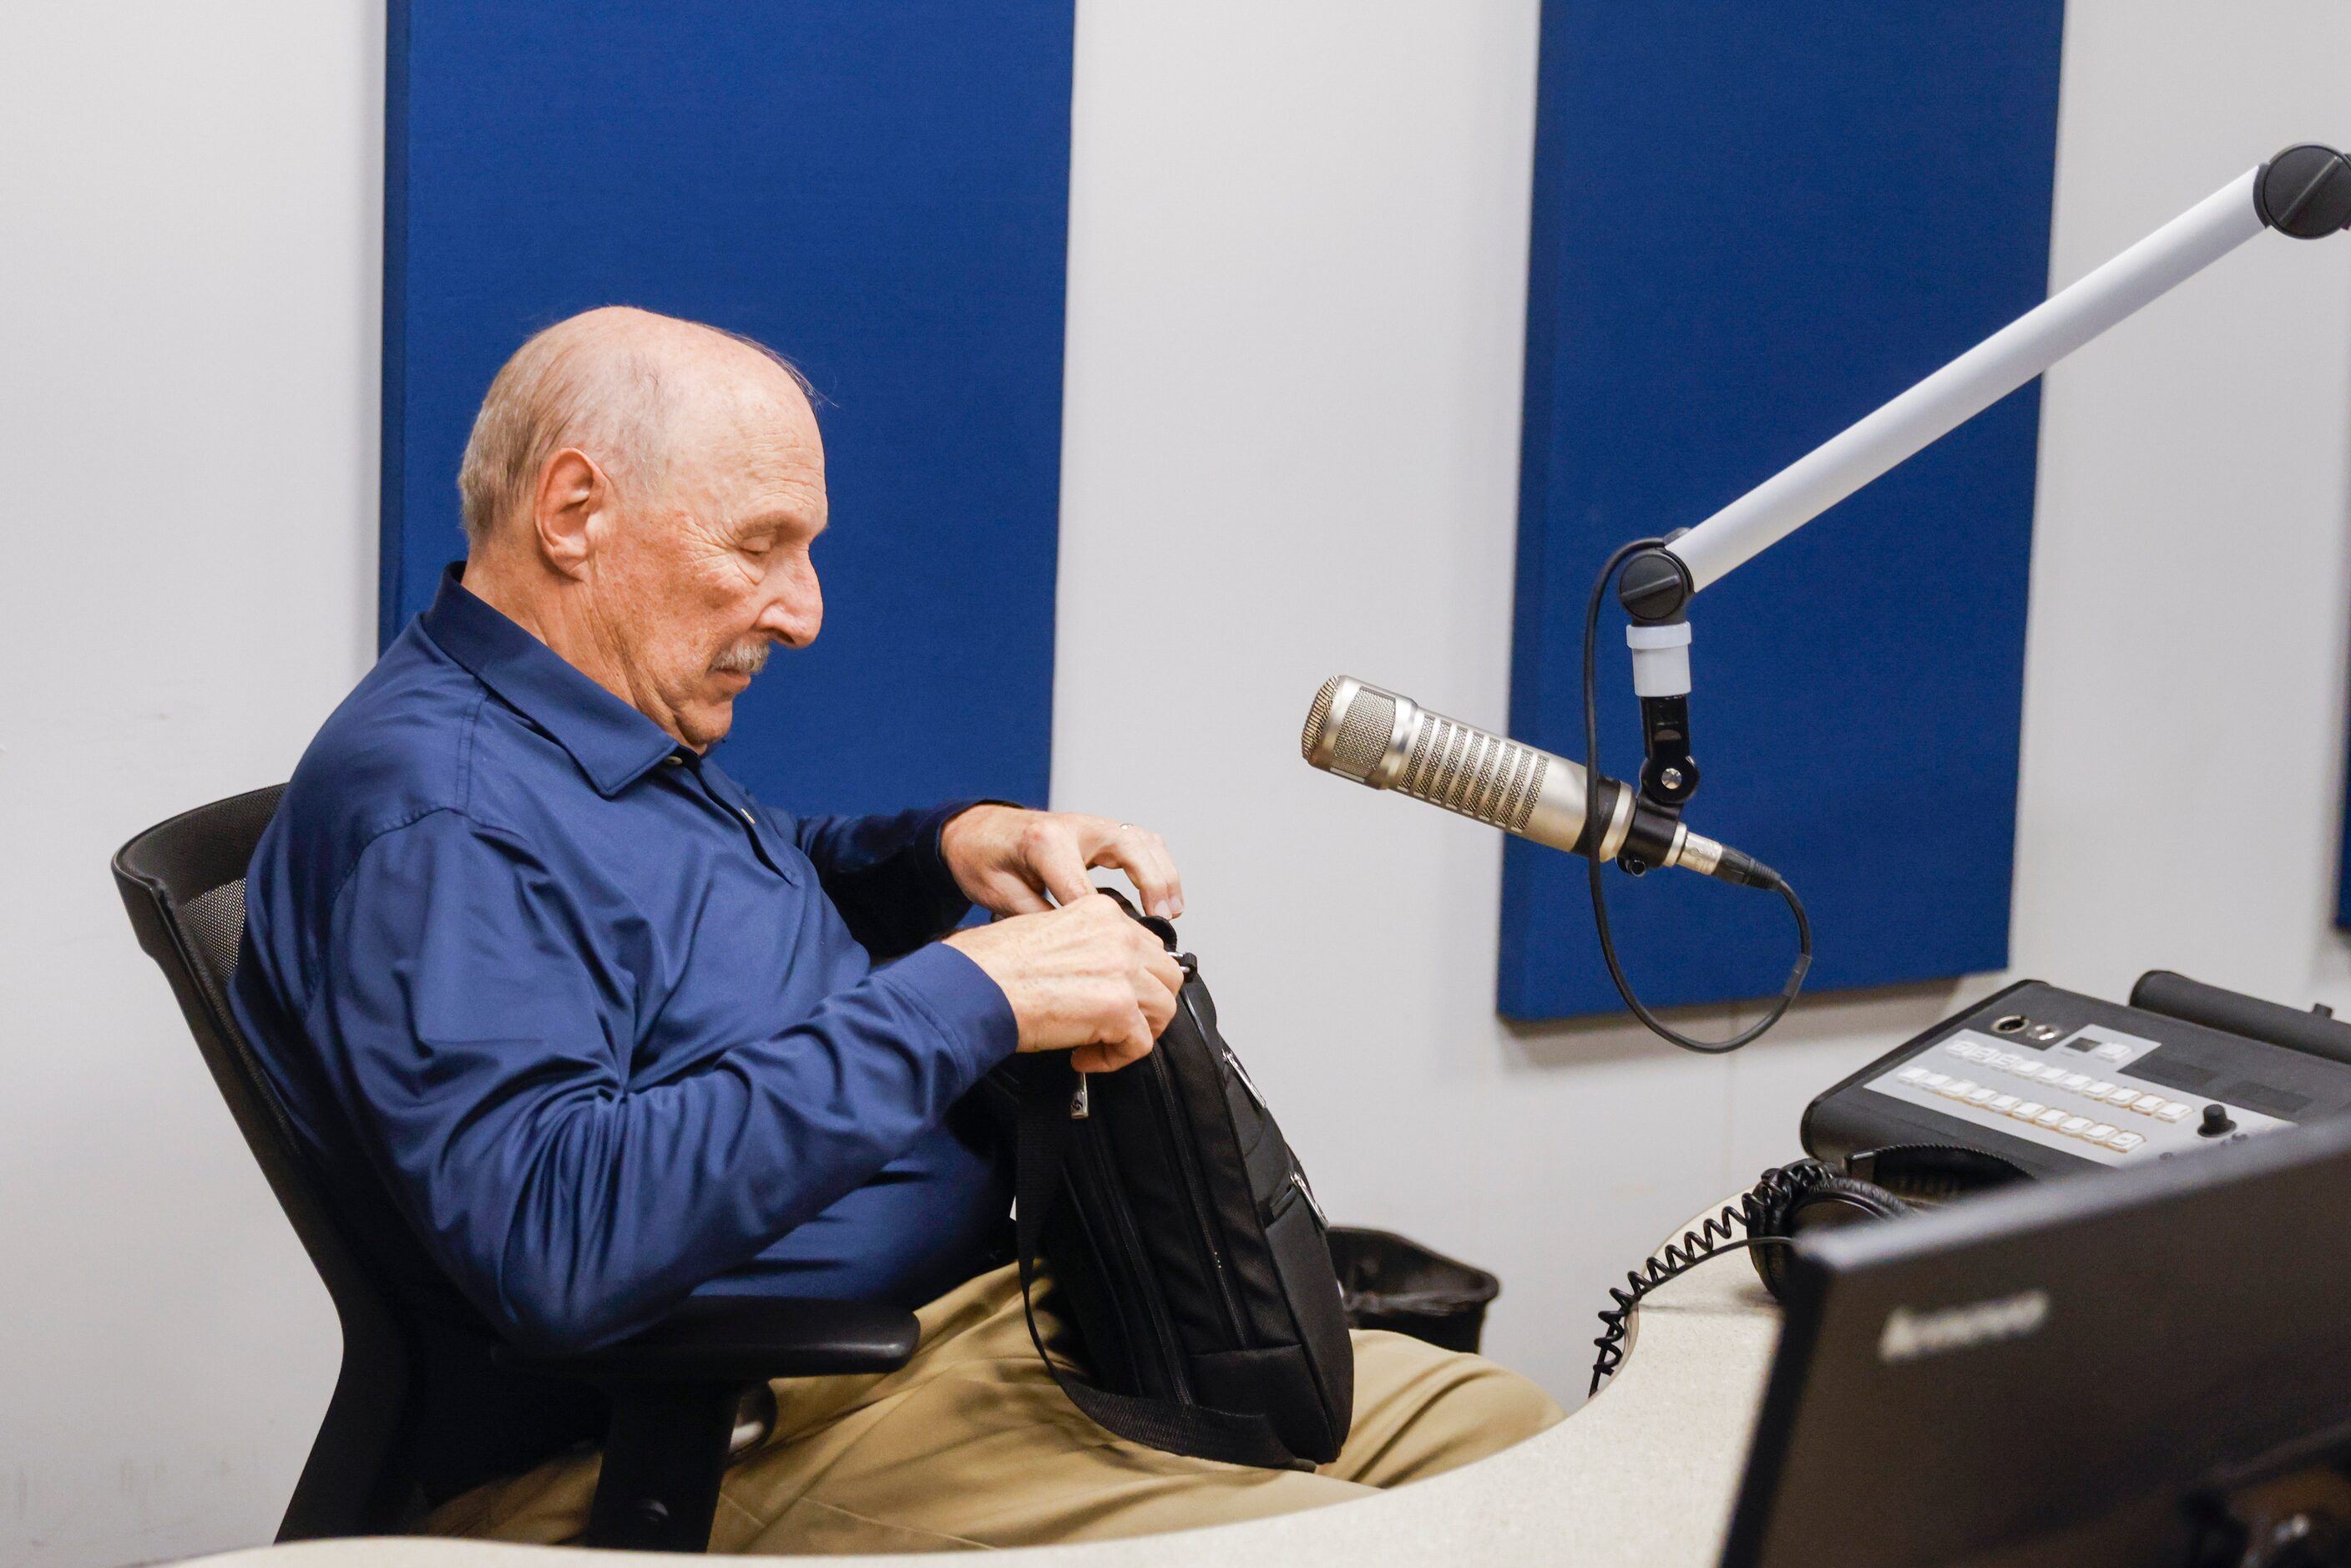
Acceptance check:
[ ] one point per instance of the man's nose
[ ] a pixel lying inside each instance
(796, 611)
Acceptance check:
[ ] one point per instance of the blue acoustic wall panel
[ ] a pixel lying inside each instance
(2343, 851)
(1753, 223)
(879, 191)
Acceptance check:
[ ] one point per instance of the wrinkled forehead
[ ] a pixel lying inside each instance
(748, 441)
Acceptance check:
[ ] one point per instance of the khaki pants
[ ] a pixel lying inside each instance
(971, 1445)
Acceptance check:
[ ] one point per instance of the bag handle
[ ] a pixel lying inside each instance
(1198, 1430)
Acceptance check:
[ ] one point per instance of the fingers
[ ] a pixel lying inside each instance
(1082, 977)
(1156, 996)
(1010, 895)
(1156, 981)
(1152, 981)
(1052, 851)
(1143, 855)
(1109, 1056)
(1052, 855)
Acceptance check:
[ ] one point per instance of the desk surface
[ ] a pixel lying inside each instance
(1644, 1473)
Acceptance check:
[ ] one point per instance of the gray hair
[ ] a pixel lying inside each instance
(579, 384)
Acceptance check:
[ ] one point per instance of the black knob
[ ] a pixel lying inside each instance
(2306, 192)
(2216, 1121)
(1655, 586)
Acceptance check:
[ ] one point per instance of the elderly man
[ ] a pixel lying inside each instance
(576, 1028)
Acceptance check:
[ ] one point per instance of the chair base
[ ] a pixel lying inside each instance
(663, 1458)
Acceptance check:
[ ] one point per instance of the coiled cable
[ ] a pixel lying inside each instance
(1758, 1212)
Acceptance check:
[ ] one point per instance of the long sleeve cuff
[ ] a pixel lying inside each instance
(929, 841)
(888, 874)
(931, 836)
(969, 1011)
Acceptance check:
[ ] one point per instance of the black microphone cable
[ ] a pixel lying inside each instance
(1591, 777)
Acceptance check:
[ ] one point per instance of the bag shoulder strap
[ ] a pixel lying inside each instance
(1169, 1424)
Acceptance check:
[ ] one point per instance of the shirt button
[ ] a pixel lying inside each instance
(675, 760)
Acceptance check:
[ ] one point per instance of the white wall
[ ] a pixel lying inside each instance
(1298, 274)
(190, 198)
(1298, 255)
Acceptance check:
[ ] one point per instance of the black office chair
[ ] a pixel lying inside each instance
(672, 1390)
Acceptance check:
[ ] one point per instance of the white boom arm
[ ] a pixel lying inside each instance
(1971, 384)
(2303, 192)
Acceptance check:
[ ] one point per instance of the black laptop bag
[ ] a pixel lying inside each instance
(1184, 1246)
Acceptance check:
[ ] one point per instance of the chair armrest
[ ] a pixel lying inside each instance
(745, 1339)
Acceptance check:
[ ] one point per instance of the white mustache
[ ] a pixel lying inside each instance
(745, 658)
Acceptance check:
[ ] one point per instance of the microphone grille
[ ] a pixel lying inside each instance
(1317, 716)
(1364, 732)
(1465, 770)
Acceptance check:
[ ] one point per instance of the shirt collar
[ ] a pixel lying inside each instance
(612, 743)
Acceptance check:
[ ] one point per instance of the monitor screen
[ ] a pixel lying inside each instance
(2059, 1373)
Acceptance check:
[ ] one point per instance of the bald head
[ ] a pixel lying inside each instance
(626, 387)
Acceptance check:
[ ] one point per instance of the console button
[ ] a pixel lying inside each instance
(2121, 1096)
(2147, 1104)
(2126, 1142)
(2003, 1102)
(2099, 1132)
(2074, 1127)
(2099, 1091)
(2077, 1081)
(2173, 1111)
(2028, 1110)
(2050, 1119)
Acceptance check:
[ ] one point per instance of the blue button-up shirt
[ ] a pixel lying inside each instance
(571, 1020)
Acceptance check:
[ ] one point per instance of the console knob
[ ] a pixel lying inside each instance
(2216, 1121)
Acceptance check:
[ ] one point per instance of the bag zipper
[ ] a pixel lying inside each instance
(1147, 1281)
(1293, 1190)
(1195, 1189)
(1297, 1172)
(1242, 1073)
(1298, 1181)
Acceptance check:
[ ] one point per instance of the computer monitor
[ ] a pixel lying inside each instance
(2082, 1372)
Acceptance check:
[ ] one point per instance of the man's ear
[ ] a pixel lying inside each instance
(573, 494)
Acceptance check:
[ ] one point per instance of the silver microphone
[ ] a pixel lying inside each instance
(1390, 742)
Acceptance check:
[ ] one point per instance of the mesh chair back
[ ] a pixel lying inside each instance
(183, 884)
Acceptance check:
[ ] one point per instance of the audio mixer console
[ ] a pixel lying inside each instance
(2059, 1084)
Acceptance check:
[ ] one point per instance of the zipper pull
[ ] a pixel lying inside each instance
(1246, 1081)
(1298, 1181)
(1081, 1100)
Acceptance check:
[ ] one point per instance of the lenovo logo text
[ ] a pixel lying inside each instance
(1909, 1336)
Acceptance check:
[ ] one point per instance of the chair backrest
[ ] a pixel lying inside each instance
(183, 883)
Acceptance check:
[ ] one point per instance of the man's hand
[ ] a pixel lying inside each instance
(1082, 978)
(1007, 859)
